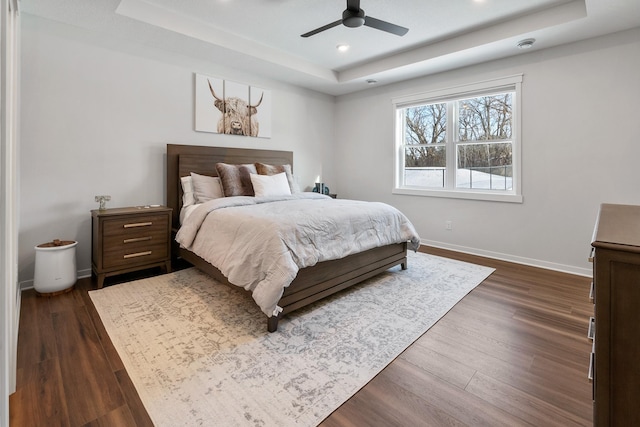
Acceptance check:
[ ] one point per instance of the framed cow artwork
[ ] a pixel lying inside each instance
(262, 113)
(232, 108)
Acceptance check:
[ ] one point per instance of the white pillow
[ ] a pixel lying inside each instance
(206, 188)
(270, 185)
(295, 186)
(188, 198)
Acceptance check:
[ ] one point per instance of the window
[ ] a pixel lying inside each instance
(461, 142)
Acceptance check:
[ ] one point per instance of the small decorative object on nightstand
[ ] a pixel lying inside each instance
(103, 201)
(319, 187)
(130, 239)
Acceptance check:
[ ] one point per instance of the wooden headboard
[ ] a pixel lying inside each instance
(184, 159)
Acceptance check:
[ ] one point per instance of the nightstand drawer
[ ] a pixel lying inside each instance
(126, 255)
(136, 238)
(136, 225)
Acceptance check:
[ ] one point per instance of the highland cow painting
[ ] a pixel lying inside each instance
(232, 108)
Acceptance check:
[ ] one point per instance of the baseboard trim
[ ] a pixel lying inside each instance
(28, 284)
(511, 258)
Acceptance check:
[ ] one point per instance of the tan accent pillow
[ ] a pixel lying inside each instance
(236, 179)
(206, 188)
(264, 169)
(188, 196)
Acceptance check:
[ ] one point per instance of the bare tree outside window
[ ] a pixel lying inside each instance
(425, 151)
(485, 118)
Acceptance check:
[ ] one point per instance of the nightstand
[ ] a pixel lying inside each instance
(130, 239)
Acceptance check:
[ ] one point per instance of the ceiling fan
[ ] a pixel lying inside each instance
(354, 17)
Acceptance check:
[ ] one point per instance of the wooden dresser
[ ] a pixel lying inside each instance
(130, 239)
(616, 281)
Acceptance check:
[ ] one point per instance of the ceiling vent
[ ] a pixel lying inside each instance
(526, 43)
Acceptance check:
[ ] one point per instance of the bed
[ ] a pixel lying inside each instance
(310, 283)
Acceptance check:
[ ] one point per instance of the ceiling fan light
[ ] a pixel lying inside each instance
(353, 22)
(353, 18)
(526, 43)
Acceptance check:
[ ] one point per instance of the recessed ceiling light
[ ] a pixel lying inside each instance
(526, 43)
(343, 47)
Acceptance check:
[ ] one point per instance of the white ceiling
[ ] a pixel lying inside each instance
(264, 35)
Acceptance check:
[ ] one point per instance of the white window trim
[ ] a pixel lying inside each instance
(468, 90)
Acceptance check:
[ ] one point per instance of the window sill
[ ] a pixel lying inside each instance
(459, 194)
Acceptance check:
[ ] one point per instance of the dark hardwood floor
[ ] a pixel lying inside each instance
(512, 352)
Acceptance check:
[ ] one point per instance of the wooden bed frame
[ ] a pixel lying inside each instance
(312, 283)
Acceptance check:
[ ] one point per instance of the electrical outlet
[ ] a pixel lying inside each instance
(448, 225)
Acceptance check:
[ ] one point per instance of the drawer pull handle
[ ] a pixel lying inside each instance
(592, 328)
(137, 239)
(137, 254)
(591, 363)
(138, 224)
(591, 254)
(591, 292)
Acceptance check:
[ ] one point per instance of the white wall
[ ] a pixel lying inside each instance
(580, 148)
(97, 114)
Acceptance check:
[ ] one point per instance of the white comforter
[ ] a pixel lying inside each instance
(261, 243)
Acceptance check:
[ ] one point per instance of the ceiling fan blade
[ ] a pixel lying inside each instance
(385, 26)
(321, 29)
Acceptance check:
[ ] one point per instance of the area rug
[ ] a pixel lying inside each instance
(198, 352)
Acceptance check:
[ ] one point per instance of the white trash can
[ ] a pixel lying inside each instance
(55, 267)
